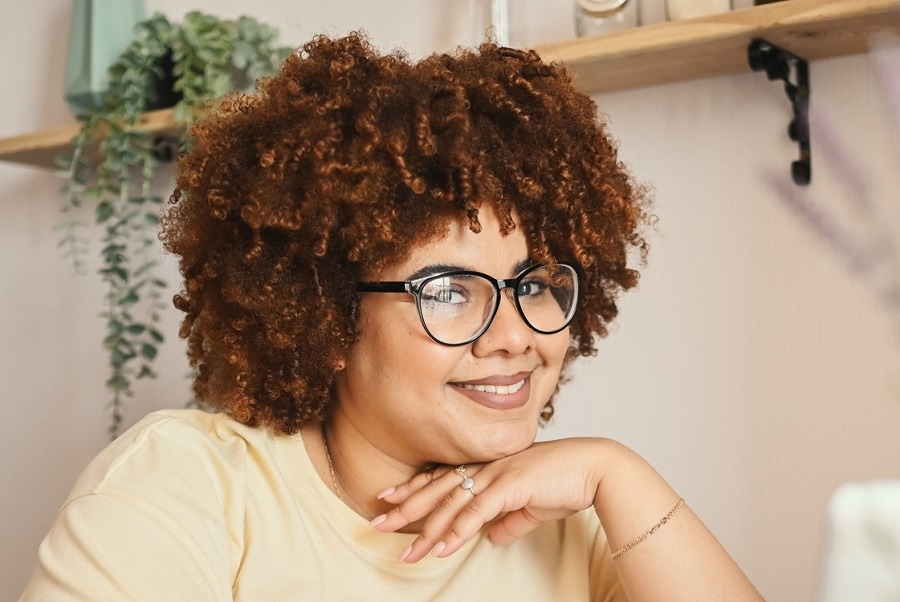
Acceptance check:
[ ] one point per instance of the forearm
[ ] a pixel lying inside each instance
(681, 560)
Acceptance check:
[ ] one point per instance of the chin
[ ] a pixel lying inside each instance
(506, 442)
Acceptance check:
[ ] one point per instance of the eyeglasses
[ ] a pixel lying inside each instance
(457, 307)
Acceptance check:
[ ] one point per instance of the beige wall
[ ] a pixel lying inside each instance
(750, 367)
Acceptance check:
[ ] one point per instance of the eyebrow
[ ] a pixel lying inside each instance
(442, 268)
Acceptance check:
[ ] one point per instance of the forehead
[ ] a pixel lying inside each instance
(490, 250)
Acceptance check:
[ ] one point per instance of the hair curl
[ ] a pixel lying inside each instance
(344, 162)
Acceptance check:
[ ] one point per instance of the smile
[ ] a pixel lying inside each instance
(496, 389)
(498, 392)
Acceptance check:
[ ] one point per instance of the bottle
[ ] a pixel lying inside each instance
(597, 17)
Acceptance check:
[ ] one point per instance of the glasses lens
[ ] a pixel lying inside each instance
(547, 297)
(455, 307)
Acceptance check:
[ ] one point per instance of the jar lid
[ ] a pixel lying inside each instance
(601, 8)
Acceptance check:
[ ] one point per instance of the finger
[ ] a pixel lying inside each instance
(519, 523)
(400, 492)
(460, 517)
(513, 526)
(417, 498)
(457, 517)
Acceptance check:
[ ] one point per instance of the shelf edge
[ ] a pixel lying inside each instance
(716, 45)
(41, 149)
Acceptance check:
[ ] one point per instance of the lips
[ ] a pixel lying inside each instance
(498, 392)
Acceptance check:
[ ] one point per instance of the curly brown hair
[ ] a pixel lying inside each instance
(345, 161)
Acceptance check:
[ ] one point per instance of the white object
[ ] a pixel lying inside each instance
(597, 17)
(862, 560)
(500, 21)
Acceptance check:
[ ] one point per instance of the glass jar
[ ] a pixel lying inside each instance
(689, 9)
(597, 17)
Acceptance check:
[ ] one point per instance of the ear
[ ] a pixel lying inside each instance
(338, 359)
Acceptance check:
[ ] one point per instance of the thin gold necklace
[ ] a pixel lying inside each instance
(334, 481)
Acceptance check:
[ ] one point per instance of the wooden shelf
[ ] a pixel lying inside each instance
(41, 149)
(717, 45)
(644, 56)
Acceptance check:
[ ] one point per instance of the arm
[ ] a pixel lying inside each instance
(680, 561)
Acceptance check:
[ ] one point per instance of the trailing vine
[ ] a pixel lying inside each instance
(210, 57)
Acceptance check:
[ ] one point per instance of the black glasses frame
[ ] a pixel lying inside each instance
(414, 288)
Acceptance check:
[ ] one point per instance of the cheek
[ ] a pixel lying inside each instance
(388, 314)
(553, 351)
(555, 348)
(394, 349)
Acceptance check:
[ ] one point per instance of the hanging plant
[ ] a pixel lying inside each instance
(209, 57)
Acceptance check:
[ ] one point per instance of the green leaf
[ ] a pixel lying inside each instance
(117, 382)
(129, 298)
(105, 210)
(113, 249)
(93, 193)
(119, 356)
(114, 273)
(148, 351)
(146, 372)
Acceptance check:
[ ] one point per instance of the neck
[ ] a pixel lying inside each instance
(354, 469)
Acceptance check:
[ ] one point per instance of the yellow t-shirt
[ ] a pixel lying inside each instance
(194, 506)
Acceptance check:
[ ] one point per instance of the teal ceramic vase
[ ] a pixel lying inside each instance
(99, 32)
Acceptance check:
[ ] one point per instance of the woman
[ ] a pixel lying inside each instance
(387, 267)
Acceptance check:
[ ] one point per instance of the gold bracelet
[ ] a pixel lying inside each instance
(649, 531)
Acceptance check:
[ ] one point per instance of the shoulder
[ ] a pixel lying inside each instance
(189, 447)
(169, 493)
(217, 427)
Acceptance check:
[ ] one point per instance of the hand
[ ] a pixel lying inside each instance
(544, 482)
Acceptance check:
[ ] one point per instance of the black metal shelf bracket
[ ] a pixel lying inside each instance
(779, 64)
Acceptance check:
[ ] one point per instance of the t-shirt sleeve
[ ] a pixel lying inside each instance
(105, 548)
(156, 516)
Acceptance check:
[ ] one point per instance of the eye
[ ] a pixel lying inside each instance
(444, 294)
(533, 286)
(446, 290)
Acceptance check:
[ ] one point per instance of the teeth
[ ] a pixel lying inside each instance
(500, 390)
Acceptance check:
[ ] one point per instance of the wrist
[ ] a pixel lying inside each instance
(630, 494)
(610, 457)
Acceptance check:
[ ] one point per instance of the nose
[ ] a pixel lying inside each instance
(508, 333)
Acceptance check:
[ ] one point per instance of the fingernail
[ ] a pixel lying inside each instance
(378, 520)
(405, 553)
(386, 492)
(436, 552)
